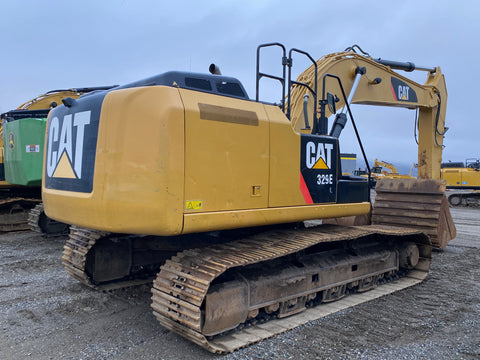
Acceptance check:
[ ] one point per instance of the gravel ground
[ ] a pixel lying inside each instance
(47, 315)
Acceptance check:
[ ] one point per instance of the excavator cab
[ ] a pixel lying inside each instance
(473, 164)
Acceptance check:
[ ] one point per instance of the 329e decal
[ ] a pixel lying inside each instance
(318, 178)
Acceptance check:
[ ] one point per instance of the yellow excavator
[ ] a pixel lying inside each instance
(183, 178)
(463, 182)
(21, 149)
(391, 171)
(378, 172)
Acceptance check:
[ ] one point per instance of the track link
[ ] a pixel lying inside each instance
(39, 222)
(75, 251)
(34, 217)
(80, 253)
(182, 284)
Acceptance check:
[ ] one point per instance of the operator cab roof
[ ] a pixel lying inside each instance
(214, 84)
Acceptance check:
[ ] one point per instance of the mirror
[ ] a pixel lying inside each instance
(331, 103)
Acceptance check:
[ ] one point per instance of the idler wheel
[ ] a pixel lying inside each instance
(409, 256)
(454, 200)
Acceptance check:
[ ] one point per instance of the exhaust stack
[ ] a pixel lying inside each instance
(214, 69)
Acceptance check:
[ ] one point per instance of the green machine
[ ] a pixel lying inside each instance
(23, 139)
(23, 151)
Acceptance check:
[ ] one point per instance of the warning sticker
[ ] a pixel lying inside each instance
(191, 205)
(32, 148)
(11, 141)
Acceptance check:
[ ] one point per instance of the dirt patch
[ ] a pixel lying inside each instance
(48, 315)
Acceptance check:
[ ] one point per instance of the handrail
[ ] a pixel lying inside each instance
(261, 74)
(290, 82)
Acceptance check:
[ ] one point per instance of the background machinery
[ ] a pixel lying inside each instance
(384, 170)
(463, 182)
(184, 172)
(21, 162)
(348, 161)
(391, 172)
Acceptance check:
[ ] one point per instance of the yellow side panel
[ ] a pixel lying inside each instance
(284, 161)
(226, 154)
(139, 170)
(464, 177)
(452, 176)
(471, 177)
(223, 220)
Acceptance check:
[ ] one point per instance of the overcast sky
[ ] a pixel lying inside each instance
(50, 45)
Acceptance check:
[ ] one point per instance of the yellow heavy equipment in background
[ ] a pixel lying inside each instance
(463, 182)
(184, 173)
(377, 172)
(391, 172)
(21, 160)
